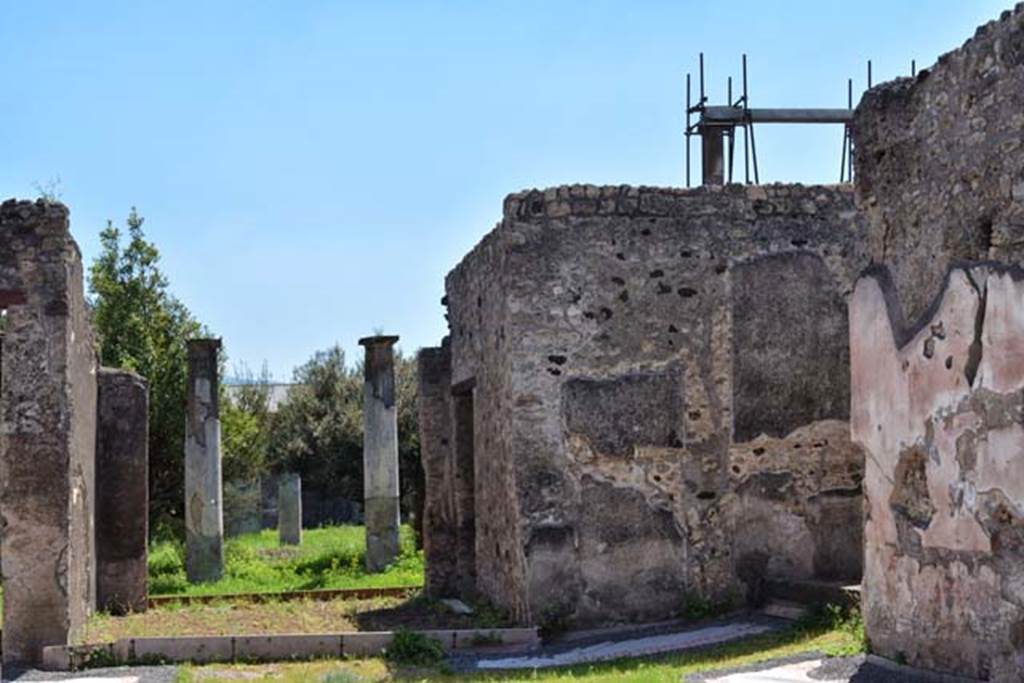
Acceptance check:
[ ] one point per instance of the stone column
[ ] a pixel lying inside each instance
(440, 537)
(289, 509)
(204, 516)
(122, 491)
(47, 433)
(380, 452)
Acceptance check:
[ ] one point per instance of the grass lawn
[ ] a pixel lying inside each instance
(832, 638)
(294, 616)
(330, 557)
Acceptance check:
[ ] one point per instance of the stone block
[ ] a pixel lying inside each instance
(282, 647)
(196, 649)
(365, 643)
(289, 509)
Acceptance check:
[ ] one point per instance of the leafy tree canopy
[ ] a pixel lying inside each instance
(142, 327)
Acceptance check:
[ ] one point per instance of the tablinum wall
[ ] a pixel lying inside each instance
(651, 370)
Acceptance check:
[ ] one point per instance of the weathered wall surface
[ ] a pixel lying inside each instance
(939, 409)
(615, 335)
(122, 491)
(940, 162)
(478, 311)
(48, 432)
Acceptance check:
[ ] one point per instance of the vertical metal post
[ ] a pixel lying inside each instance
(702, 98)
(746, 117)
(687, 130)
(753, 153)
(869, 74)
(849, 133)
(746, 134)
(913, 68)
(842, 159)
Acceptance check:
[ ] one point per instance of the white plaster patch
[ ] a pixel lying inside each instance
(634, 647)
(777, 674)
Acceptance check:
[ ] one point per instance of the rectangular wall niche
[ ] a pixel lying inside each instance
(790, 348)
(615, 415)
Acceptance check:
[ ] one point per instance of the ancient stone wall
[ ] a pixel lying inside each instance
(478, 309)
(940, 162)
(48, 433)
(616, 337)
(122, 491)
(938, 408)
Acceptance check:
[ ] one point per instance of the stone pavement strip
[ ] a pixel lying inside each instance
(123, 674)
(630, 647)
(805, 669)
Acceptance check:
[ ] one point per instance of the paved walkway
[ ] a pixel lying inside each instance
(857, 669)
(639, 646)
(124, 674)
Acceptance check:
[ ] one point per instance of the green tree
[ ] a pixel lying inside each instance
(245, 425)
(142, 327)
(318, 430)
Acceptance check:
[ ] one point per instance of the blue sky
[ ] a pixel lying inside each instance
(311, 170)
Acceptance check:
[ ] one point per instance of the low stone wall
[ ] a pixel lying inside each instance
(939, 408)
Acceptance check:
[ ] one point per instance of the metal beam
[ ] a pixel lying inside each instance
(737, 115)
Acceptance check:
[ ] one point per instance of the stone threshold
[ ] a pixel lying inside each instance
(276, 647)
(322, 595)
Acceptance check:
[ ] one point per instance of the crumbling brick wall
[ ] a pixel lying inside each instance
(637, 391)
(939, 162)
(48, 432)
(938, 407)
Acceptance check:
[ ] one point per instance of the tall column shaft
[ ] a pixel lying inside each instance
(380, 453)
(289, 509)
(204, 515)
(122, 491)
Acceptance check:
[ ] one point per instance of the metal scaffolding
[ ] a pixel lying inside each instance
(716, 125)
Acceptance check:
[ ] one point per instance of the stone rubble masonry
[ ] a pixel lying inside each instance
(47, 432)
(380, 453)
(122, 491)
(939, 408)
(940, 162)
(204, 515)
(654, 383)
(289, 509)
